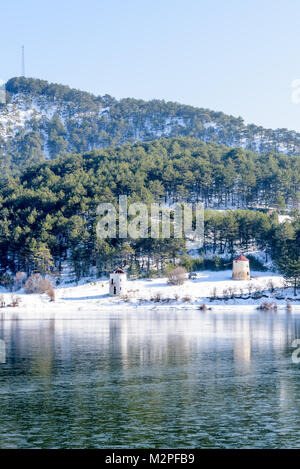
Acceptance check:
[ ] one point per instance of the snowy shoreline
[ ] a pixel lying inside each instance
(142, 295)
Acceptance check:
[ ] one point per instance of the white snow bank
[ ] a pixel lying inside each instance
(93, 297)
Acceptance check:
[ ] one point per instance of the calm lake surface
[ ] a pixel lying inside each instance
(150, 379)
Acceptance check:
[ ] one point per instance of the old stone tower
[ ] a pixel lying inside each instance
(117, 282)
(241, 268)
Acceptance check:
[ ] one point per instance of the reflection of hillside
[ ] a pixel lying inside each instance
(150, 379)
(137, 338)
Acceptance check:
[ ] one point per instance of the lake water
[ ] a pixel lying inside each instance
(150, 379)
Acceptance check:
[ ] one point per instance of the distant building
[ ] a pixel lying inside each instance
(241, 268)
(117, 282)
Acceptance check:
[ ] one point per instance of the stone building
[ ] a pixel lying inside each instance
(241, 268)
(117, 282)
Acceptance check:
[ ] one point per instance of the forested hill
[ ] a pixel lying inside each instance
(42, 120)
(170, 170)
(53, 205)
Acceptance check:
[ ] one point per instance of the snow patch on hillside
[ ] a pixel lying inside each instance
(23, 108)
(13, 119)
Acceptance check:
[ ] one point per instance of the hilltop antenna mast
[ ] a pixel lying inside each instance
(23, 62)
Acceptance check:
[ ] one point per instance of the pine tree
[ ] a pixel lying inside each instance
(291, 273)
(42, 259)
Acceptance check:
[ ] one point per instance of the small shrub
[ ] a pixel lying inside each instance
(203, 307)
(232, 291)
(288, 306)
(38, 284)
(177, 276)
(51, 294)
(157, 297)
(267, 306)
(125, 298)
(271, 286)
(20, 279)
(15, 301)
(187, 299)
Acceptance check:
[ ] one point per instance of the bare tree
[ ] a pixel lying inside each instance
(177, 276)
(38, 284)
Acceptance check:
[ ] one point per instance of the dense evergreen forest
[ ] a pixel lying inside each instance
(42, 120)
(48, 213)
(63, 151)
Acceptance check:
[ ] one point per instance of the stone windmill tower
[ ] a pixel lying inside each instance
(117, 282)
(241, 268)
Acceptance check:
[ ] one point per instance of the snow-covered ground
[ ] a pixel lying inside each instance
(93, 296)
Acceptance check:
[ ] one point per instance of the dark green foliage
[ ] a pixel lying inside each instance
(286, 250)
(52, 205)
(291, 272)
(256, 264)
(36, 88)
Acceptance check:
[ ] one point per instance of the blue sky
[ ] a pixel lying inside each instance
(239, 57)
